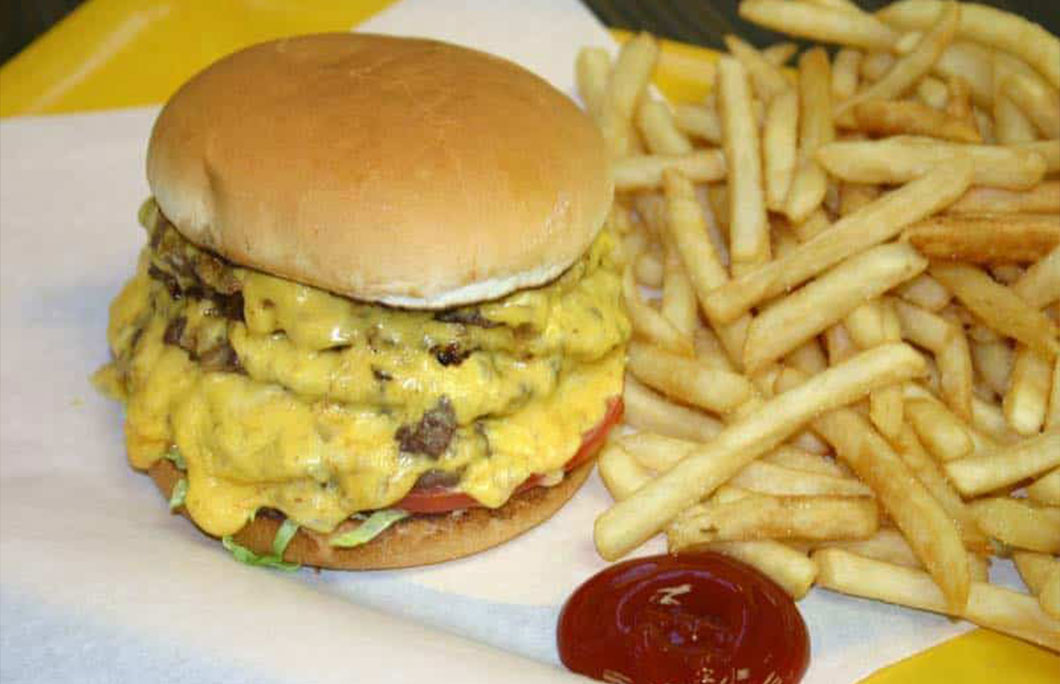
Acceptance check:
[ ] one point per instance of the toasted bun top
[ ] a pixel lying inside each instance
(408, 172)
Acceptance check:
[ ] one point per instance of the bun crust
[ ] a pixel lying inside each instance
(402, 171)
(417, 540)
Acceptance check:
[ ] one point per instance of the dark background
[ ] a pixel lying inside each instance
(702, 22)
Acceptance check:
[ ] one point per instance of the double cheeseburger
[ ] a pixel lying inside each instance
(377, 309)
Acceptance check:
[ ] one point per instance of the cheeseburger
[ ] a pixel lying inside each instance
(377, 321)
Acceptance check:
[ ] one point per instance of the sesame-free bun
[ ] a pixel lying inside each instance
(408, 172)
(417, 540)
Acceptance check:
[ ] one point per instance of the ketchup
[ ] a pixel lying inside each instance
(697, 617)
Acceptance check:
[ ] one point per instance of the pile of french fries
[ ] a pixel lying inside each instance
(844, 282)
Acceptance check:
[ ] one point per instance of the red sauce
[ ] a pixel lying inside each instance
(697, 617)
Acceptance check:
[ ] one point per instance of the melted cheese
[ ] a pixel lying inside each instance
(309, 429)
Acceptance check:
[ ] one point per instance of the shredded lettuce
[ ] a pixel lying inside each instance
(178, 458)
(180, 491)
(283, 537)
(370, 528)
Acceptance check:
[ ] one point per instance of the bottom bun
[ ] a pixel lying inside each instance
(416, 540)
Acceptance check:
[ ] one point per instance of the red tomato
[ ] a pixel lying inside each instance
(443, 499)
(698, 617)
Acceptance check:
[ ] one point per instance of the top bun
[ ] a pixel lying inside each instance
(408, 172)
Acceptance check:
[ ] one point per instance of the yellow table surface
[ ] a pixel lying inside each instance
(121, 53)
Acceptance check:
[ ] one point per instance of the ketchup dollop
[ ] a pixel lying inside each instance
(671, 619)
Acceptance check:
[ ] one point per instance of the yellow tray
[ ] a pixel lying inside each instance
(121, 53)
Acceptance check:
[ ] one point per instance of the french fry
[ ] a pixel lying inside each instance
(845, 68)
(988, 605)
(1011, 124)
(823, 24)
(1036, 102)
(758, 516)
(911, 67)
(651, 214)
(768, 80)
(621, 473)
(875, 65)
(854, 196)
(933, 94)
(698, 121)
(1027, 399)
(815, 223)
(901, 158)
(648, 410)
(1040, 573)
(809, 311)
(986, 25)
(718, 202)
(649, 324)
(905, 117)
(1005, 273)
(809, 184)
(871, 225)
(779, 147)
(686, 380)
(1035, 568)
(925, 292)
(944, 436)
(867, 328)
(888, 545)
(993, 362)
(948, 343)
(789, 568)
(930, 474)
(748, 227)
(838, 344)
(1043, 198)
(688, 230)
(591, 71)
(1040, 284)
(648, 269)
(1018, 523)
(998, 306)
(644, 172)
(1048, 150)
(971, 63)
(656, 126)
(1049, 598)
(846, 5)
(1046, 489)
(989, 420)
(959, 104)
(1052, 418)
(678, 298)
(629, 523)
(710, 352)
(778, 54)
(956, 377)
(625, 84)
(794, 458)
(924, 523)
(986, 238)
(660, 453)
(1007, 465)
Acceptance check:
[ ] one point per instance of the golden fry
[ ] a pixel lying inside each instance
(905, 117)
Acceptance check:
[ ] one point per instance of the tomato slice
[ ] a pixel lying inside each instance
(444, 499)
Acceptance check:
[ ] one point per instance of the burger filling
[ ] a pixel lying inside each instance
(278, 395)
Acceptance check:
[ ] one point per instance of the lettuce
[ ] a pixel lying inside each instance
(374, 525)
(274, 560)
(180, 491)
(178, 458)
